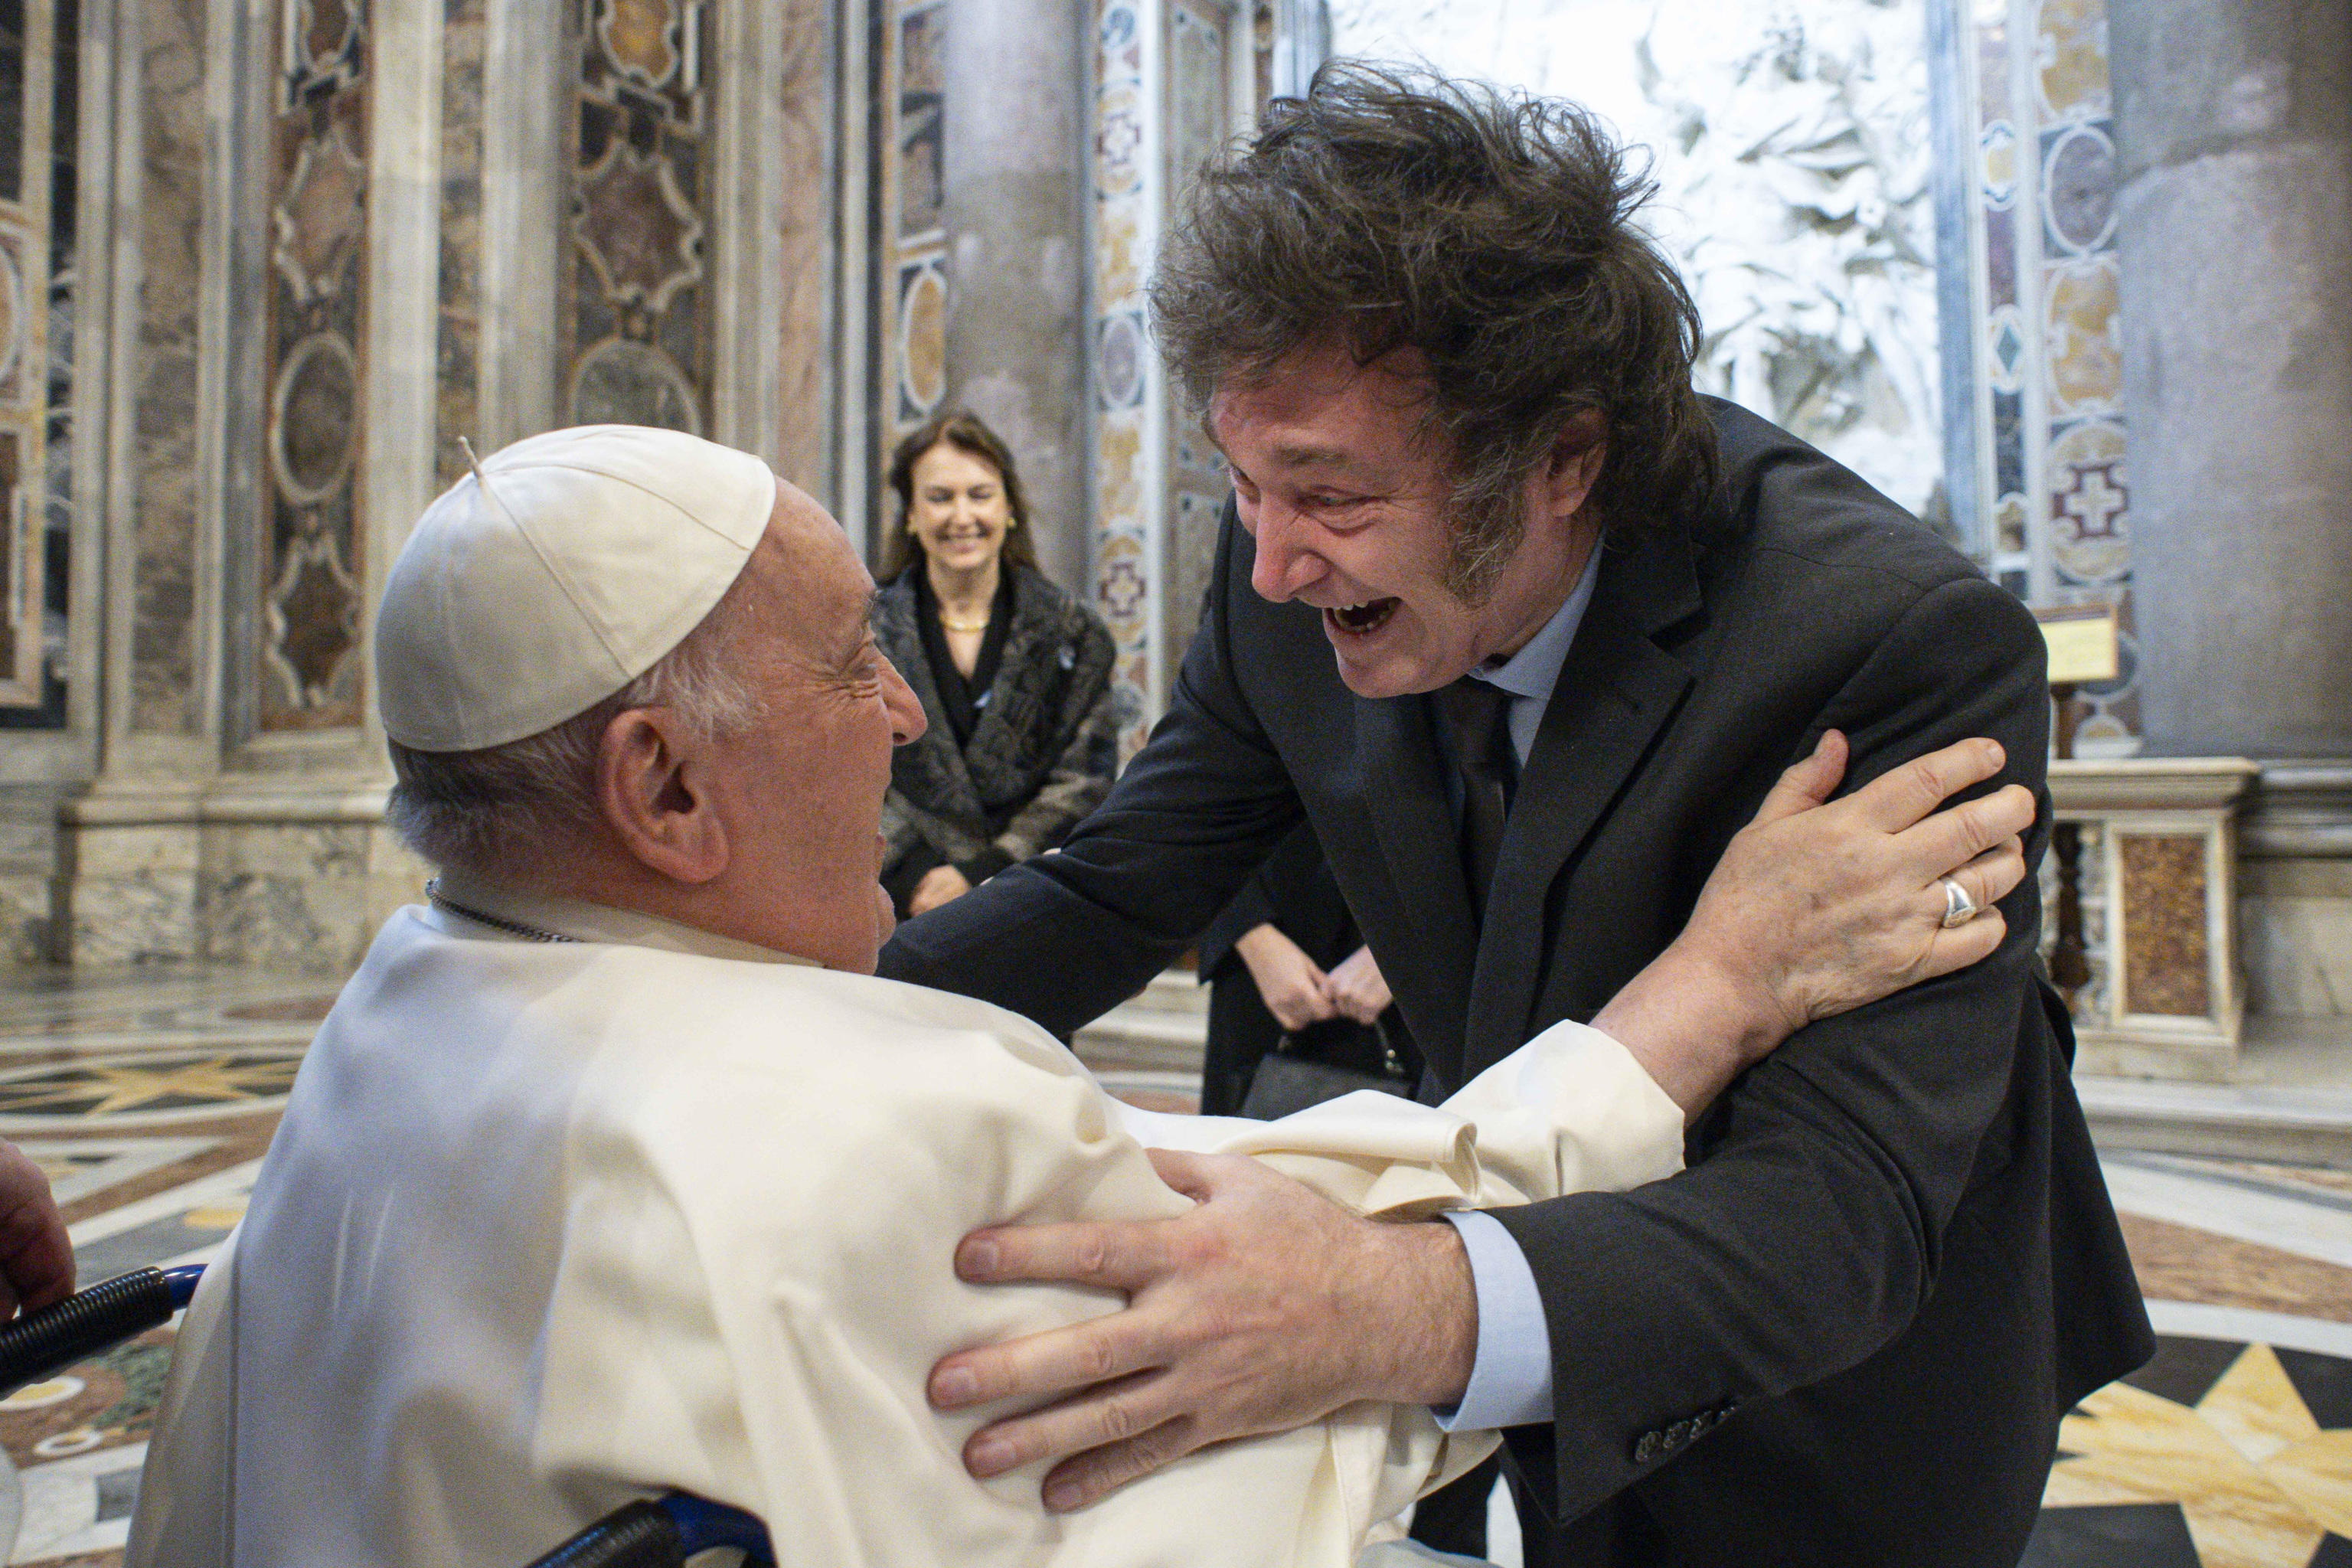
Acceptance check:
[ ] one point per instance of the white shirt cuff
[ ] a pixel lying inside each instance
(1510, 1378)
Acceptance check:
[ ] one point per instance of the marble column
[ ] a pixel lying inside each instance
(2233, 119)
(1016, 81)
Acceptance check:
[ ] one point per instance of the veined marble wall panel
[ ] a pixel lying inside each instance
(804, 434)
(36, 218)
(1174, 81)
(1129, 476)
(638, 322)
(164, 698)
(912, 292)
(457, 357)
(312, 602)
(1198, 117)
(2049, 341)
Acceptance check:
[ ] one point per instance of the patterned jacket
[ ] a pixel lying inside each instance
(1045, 747)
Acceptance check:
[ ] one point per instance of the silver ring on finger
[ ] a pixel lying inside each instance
(1958, 907)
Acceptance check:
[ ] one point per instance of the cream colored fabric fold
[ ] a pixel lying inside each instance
(549, 1226)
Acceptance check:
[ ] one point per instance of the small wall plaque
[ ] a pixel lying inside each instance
(2081, 640)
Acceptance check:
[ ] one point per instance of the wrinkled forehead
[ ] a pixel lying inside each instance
(1320, 409)
(808, 572)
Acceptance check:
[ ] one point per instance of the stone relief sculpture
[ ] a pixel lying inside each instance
(1791, 150)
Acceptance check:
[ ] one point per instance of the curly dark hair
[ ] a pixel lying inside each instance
(1493, 231)
(969, 434)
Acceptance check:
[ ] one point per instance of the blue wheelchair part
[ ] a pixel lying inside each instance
(662, 1533)
(87, 1324)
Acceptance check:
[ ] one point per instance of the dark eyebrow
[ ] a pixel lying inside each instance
(1293, 457)
(1312, 457)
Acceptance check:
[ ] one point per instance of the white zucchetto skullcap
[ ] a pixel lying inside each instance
(592, 553)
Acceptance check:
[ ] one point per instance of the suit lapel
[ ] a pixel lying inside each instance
(1616, 688)
(1402, 789)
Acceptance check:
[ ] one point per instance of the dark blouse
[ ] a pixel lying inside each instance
(1017, 752)
(964, 697)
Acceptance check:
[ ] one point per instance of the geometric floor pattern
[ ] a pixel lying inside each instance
(150, 1096)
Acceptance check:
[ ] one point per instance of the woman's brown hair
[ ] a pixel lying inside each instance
(963, 430)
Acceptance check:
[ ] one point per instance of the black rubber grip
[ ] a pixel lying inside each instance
(81, 1326)
(639, 1536)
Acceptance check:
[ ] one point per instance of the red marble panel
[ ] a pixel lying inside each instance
(2167, 962)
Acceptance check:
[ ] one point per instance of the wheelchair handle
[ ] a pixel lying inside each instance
(91, 1320)
(662, 1535)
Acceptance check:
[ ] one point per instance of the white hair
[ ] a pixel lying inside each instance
(503, 808)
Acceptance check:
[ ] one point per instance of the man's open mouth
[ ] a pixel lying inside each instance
(1361, 620)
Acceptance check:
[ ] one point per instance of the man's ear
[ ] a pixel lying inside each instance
(650, 792)
(1575, 465)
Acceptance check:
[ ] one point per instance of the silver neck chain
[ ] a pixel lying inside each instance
(513, 928)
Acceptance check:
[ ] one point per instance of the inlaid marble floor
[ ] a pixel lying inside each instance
(150, 1096)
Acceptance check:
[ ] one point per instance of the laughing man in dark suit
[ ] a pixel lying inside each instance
(1453, 380)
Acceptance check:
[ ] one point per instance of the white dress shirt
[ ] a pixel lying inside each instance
(1510, 1381)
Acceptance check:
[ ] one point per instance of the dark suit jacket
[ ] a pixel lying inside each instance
(1845, 1333)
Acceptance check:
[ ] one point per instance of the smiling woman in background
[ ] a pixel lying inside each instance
(1013, 674)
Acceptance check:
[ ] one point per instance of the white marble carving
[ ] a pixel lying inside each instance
(1790, 145)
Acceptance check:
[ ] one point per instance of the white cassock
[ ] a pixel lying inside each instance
(547, 1227)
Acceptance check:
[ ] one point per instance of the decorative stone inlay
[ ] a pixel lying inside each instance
(922, 121)
(2048, 446)
(923, 337)
(313, 541)
(2230, 1436)
(2088, 504)
(912, 269)
(636, 317)
(325, 34)
(147, 1087)
(2159, 896)
(2087, 361)
(2165, 951)
(2073, 52)
(2080, 177)
(638, 35)
(1120, 360)
(37, 263)
(624, 382)
(13, 384)
(458, 361)
(638, 230)
(313, 621)
(314, 418)
(320, 217)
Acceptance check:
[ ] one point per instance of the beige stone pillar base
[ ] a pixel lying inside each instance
(285, 879)
(2158, 869)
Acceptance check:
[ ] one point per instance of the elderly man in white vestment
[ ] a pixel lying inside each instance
(615, 1170)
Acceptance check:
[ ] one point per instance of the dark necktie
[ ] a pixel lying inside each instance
(1476, 717)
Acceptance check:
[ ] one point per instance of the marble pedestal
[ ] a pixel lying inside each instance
(2295, 893)
(294, 880)
(2158, 869)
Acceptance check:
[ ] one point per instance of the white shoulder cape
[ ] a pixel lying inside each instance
(547, 1227)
